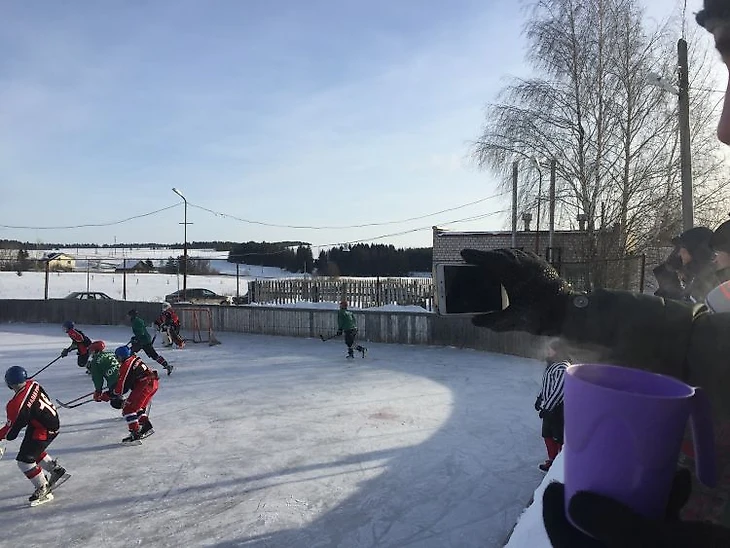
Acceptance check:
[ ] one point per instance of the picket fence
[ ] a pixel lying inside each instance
(360, 293)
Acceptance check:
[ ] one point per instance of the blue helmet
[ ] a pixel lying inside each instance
(15, 375)
(122, 353)
(68, 324)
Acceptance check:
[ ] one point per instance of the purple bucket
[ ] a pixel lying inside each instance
(623, 434)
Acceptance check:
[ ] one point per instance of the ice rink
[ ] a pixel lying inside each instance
(282, 442)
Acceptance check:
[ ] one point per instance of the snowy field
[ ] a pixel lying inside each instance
(140, 287)
(281, 442)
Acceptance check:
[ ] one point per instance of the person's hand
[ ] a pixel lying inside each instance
(64, 352)
(541, 414)
(101, 396)
(612, 524)
(538, 296)
(538, 403)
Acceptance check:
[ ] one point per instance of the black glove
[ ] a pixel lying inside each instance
(541, 414)
(612, 524)
(538, 296)
(115, 401)
(538, 403)
(64, 352)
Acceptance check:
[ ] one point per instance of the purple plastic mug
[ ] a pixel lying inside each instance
(623, 434)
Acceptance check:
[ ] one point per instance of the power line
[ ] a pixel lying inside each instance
(90, 225)
(340, 227)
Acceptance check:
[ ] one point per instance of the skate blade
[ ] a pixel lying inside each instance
(60, 481)
(47, 498)
(147, 434)
(133, 442)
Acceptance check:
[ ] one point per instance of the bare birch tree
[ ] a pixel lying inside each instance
(614, 136)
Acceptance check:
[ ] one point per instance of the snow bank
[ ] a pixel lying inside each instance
(529, 531)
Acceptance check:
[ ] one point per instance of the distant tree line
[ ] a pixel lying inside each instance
(291, 256)
(373, 260)
(176, 265)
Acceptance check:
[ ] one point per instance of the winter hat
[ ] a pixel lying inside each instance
(714, 14)
(718, 300)
(697, 241)
(720, 240)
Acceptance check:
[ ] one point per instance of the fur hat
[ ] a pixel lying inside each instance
(720, 240)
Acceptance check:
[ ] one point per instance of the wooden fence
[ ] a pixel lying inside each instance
(360, 293)
(383, 326)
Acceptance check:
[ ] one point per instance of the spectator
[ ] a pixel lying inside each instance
(720, 244)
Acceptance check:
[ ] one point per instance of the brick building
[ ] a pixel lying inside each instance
(568, 245)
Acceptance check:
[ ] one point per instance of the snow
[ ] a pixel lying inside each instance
(282, 442)
(140, 287)
(530, 530)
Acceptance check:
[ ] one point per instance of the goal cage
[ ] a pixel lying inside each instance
(196, 325)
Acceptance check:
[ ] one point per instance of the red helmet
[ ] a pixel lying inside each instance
(97, 346)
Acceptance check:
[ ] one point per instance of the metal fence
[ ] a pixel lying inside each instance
(360, 293)
(620, 273)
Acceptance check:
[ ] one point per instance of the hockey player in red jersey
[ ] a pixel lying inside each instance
(79, 342)
(169, 324)
(134, 375)
(31, 408)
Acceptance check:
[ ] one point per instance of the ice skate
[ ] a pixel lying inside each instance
(545, 466)
(146, 430)
(133, 438)
(57, 476)
(41, 495)
(168, 368)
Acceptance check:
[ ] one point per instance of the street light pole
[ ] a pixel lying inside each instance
(185, 245)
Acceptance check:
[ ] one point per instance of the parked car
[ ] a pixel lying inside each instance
(197, 296)
(89, 295)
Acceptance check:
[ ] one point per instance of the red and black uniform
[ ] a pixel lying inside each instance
(31, 408)
(169, 322)
(134, 375)
(80, 343)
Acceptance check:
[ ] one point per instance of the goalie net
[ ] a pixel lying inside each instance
(196, 325)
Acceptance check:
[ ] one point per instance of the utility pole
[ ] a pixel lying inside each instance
(514, 203)
(537, 222)
(551, 233)
(684, 136)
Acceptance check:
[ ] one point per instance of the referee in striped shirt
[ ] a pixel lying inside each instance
(549, 403)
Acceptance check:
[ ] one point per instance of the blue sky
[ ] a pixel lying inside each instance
(300, 113)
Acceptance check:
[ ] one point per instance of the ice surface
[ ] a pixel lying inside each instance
(281, 442)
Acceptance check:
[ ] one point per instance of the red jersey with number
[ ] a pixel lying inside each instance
(132, 370)
(30, 407)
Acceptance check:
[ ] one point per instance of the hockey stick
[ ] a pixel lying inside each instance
(328, 338)
(46, 367)
(66, 406)
(74, 400)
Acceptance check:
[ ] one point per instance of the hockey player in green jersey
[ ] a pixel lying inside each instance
(142, 340)
(346, 323)
(104, 366)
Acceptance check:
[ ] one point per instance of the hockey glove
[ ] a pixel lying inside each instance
(613, 524)
(538, 296)
(538, 403)
(116, 402)
(99, 396)
(64, 352)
